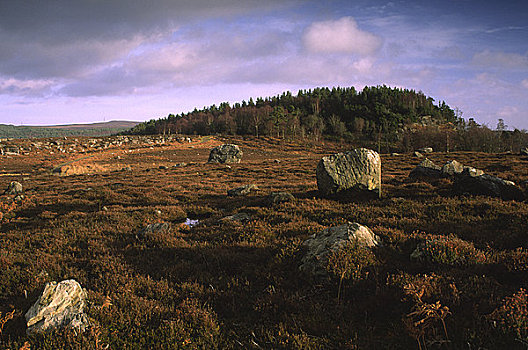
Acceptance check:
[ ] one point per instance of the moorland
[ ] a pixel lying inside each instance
(228, 284)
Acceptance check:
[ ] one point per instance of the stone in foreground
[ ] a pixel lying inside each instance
(358, 169)
(322, 244)
(60, 305)
(226, 153)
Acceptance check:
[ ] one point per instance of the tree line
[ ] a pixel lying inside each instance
(390, 119)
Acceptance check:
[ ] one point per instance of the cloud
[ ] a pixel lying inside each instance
(500, 59)
(340, 36)
(524, 83)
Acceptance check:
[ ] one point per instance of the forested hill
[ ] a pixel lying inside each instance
(321, 111)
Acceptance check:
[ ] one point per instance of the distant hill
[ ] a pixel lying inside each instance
(94, 129)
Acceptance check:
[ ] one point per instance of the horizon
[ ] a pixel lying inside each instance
(73, 63)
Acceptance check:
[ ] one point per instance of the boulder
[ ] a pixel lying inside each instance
(320, 245)
(14, 187)
(358, 169)
(242, 190)
(487, 185)
(470, 171)
(280, 197)
(452, 168)
(426, 169)
(60, 305)
(226, 153)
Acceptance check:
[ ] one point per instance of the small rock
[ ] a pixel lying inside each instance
(426, 169)
(524, 151)
(322, 244)
(163, 167)
(19, 198)
(426, 150)
(418, 154)
(242, 190)
(161, 227)
(226, 153)
(281, 197)
(240, 217)
(60, 305)
(14, 187)
(452, 168)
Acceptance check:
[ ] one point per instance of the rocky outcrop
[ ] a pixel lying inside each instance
(322, 244)
(358, 169)
(14, 187)
(242, 190)
(452, 168)
(60, 305)
(226, 153)
(426, 169)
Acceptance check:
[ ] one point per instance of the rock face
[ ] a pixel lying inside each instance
(225, 154)
(357, 169)
(242, 190)
(322, 244)
(60, 305)
(487, 185)
(426, 169)
(14, 188)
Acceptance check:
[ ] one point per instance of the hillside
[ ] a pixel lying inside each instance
(95, 129)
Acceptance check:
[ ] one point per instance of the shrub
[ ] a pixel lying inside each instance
(511, 318)
(449, 250)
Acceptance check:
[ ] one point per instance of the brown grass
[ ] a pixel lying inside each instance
(224, 284)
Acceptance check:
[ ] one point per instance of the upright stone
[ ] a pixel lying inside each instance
(60, 305)
(357, 169)
(226, 153)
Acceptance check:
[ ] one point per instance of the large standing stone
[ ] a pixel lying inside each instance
(322, 244)
(60, 305)
(14, 187)
(357, 169)
(225, 154)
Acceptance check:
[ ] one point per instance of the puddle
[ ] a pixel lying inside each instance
(190, 222)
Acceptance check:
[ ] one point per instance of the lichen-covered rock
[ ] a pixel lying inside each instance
(60, 305)
(14, 187)
(242, 190)
(226, 153)
(452, 168)
(358, 169)
(426, 169)
(487, 185)
(320, 245)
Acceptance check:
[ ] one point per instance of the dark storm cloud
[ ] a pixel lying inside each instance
(62, 38)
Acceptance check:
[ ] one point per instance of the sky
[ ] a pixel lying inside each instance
(72, 61)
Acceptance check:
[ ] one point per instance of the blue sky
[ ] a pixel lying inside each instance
(67, 61)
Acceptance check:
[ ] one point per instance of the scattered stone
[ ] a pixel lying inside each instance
(242, 190)
(163, 167)
(358, 169)
(426, 169)
(239, 217)
(524, 151)
(487, 185)
(470, 171)
(226, 153)
(19, 198)
(452, 168)
(127, 168)
(60, 305)
(322, 244)
(418, 154)
(281, 197)
(276, 161)
(179, 165)
(161, 227)
(426, 150)
(14, 187)
(394, 154)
